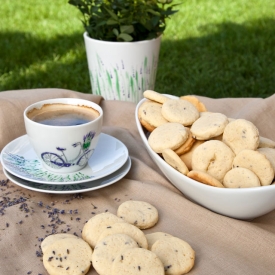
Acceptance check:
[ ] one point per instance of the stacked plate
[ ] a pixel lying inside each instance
(109, 163)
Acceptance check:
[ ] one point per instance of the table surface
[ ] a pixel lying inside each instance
(223, 245)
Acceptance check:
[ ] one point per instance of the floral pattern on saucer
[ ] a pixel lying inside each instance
(34, 169)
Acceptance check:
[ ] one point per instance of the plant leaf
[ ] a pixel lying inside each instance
(112, 22)
(153, 12)
(125, 37)
(115, 31)
(127, 29)
(113, 15)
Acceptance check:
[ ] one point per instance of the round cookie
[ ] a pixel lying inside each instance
(187, 157)
(257, 163)
(213, 157)
(94, 226)
(125, 228)
(187, 145)
(241, 134)
(155, 236)
(68, 256)
(180, 111)
(169, 135)
(137, 261)
(269, 153)
(175, 161)
(54, 237)
(149, 114)
(240, 178)
(155, 96)
(209, 126)
(107, 250)
(177, 256)
(205, 178)
(138, 213)
(266, 143)
(195, 101)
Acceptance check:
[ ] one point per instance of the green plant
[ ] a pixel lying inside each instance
(124, 20)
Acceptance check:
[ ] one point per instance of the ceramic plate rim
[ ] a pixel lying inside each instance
(122, 173)
(91, 178)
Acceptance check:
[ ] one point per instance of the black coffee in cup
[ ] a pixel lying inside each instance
(58, 114)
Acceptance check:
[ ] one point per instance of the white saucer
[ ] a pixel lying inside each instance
(19, 158)
(72, 188)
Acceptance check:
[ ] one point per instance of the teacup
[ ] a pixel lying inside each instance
(63, 132)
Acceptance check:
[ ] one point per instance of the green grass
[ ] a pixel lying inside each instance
(213, 48)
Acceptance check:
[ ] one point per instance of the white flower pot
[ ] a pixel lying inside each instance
(122, 70)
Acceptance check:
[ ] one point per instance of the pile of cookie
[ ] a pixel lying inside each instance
(117, 245)
(206, 146)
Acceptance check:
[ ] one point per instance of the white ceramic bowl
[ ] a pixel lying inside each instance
(245, 203)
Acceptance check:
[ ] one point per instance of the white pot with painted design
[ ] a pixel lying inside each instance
(122, 70)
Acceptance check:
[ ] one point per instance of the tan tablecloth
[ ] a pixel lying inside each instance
(223, 245)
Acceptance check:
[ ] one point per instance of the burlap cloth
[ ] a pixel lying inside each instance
(223, 245)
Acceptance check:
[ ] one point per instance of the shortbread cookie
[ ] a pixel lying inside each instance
(257, 163)
(149, 114)
(177, 256)
(187, 157)
(241, 134)
(205, 178)
(266, 143)
(209, 126)
(269, 153)
(54, 237)
(93, 228)
(213, 157)
(155, 96)
(240, 178)
(187, 145)
(68, 256)
(175, 161)
(169, 135)
(137, 261)
(138, 213)
(195, 101)
(155, 236)
(125, 228)
(108, 249)
(180, 111)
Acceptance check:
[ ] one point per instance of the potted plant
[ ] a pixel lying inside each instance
(122, 40)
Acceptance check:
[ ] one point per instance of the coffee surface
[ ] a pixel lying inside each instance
(63, 114)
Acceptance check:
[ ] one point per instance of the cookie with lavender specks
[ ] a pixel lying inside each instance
(107, 250)
(68, 256)
(54, 237)
(241, 134)
(149, 114)
(257, 163)
(180, 111)
(240, 178)
(169, 135)
(94, 226)
(125, 228)
(155, 236)
(138, 213)
(177, 256)
(209, 126)
(137, 261)
(175, 161)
